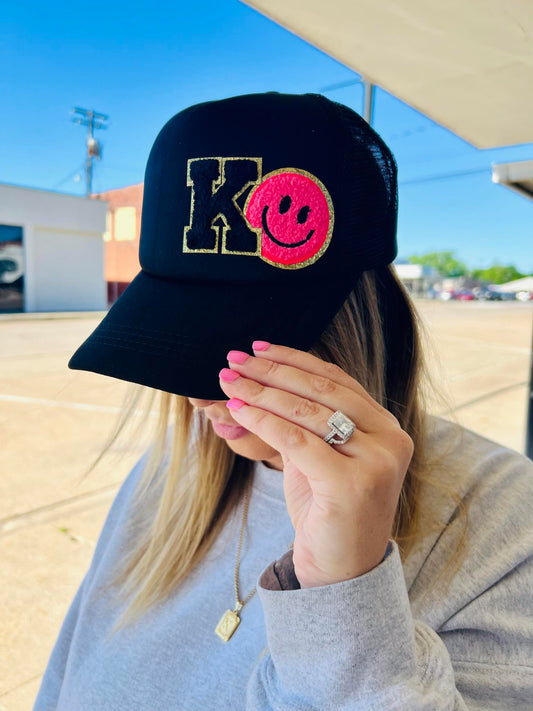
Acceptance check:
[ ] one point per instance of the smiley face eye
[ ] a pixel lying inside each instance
(303, 214)
(285, 204)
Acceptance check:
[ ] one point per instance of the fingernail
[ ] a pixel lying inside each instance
(227, 375)
(235, 404)
(261, 345)
(237, 357)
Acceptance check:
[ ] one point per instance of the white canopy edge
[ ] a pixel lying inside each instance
(517, 176)
(466, 65)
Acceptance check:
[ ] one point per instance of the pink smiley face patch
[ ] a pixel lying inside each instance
(294, 211)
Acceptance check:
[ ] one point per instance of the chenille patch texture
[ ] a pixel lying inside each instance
(295, 215)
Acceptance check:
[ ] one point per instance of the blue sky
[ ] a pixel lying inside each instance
(142, 62)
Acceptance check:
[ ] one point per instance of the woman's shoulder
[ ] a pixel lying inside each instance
(470, 577)
(467, 460)
(494, 482)
(477, 496)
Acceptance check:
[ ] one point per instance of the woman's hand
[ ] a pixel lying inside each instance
(341, 499)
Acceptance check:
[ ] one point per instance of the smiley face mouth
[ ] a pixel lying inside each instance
(277, 241)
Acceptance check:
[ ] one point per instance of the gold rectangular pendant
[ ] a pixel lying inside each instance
(227, 625)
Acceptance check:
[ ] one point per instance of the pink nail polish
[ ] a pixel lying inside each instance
(261, 345)
(234, 403)
(237, 357)
(227, 375)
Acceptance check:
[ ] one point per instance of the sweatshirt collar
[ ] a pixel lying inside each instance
(269, 481)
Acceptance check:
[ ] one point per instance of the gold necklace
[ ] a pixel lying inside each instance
(230, 620)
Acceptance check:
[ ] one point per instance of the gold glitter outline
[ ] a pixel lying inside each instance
(214, 186)
(331, 211)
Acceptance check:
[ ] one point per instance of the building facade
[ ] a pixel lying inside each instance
(121, 237)
(51, 251)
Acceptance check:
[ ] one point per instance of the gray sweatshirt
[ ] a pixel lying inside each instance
(394, 639)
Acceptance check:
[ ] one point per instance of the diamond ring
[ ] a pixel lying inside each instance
(342, 428)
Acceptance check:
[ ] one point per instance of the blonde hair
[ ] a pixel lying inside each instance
(192, 481)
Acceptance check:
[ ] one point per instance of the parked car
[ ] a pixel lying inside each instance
(524, 295)
(489, 295)
(465, 295)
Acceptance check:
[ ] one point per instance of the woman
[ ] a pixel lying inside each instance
(291, 430)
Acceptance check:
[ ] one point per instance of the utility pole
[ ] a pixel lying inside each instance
(94, 121)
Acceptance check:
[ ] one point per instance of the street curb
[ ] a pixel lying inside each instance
(52, 316)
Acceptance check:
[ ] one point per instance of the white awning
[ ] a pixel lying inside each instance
(468, 65)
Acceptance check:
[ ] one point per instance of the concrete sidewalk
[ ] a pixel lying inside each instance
(55, 421)
(52, 315)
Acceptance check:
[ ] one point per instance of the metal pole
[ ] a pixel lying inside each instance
(89, 161)
(529, 426)
(368, 91)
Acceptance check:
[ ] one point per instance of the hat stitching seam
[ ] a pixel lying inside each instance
(117, 341)
(132, 332)
(136, 329)
(138, 335)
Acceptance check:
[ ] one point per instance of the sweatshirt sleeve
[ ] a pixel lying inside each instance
(355, 646)
(53, 677)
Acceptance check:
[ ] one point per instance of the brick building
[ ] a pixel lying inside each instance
(121, 239)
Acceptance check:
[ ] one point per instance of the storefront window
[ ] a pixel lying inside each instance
(11, 269)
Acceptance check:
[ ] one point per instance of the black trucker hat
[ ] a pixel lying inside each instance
(259, 213)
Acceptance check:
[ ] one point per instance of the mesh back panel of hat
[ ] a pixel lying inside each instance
(380, 207)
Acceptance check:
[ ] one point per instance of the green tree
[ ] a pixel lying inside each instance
(445, 263)
(497, 274)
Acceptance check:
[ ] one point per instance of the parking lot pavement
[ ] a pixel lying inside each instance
(479, 356)
(54, 422)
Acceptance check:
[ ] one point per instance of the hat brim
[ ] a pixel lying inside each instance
(174, 336)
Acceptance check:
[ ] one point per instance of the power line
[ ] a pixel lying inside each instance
(444, 176)
(354, 82)
(409, 132)
(339, 85)
(68, 177)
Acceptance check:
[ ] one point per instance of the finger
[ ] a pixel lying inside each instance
(292, 408)
(316, 388)
(312, 364)
(323, 465)
(375, 465)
